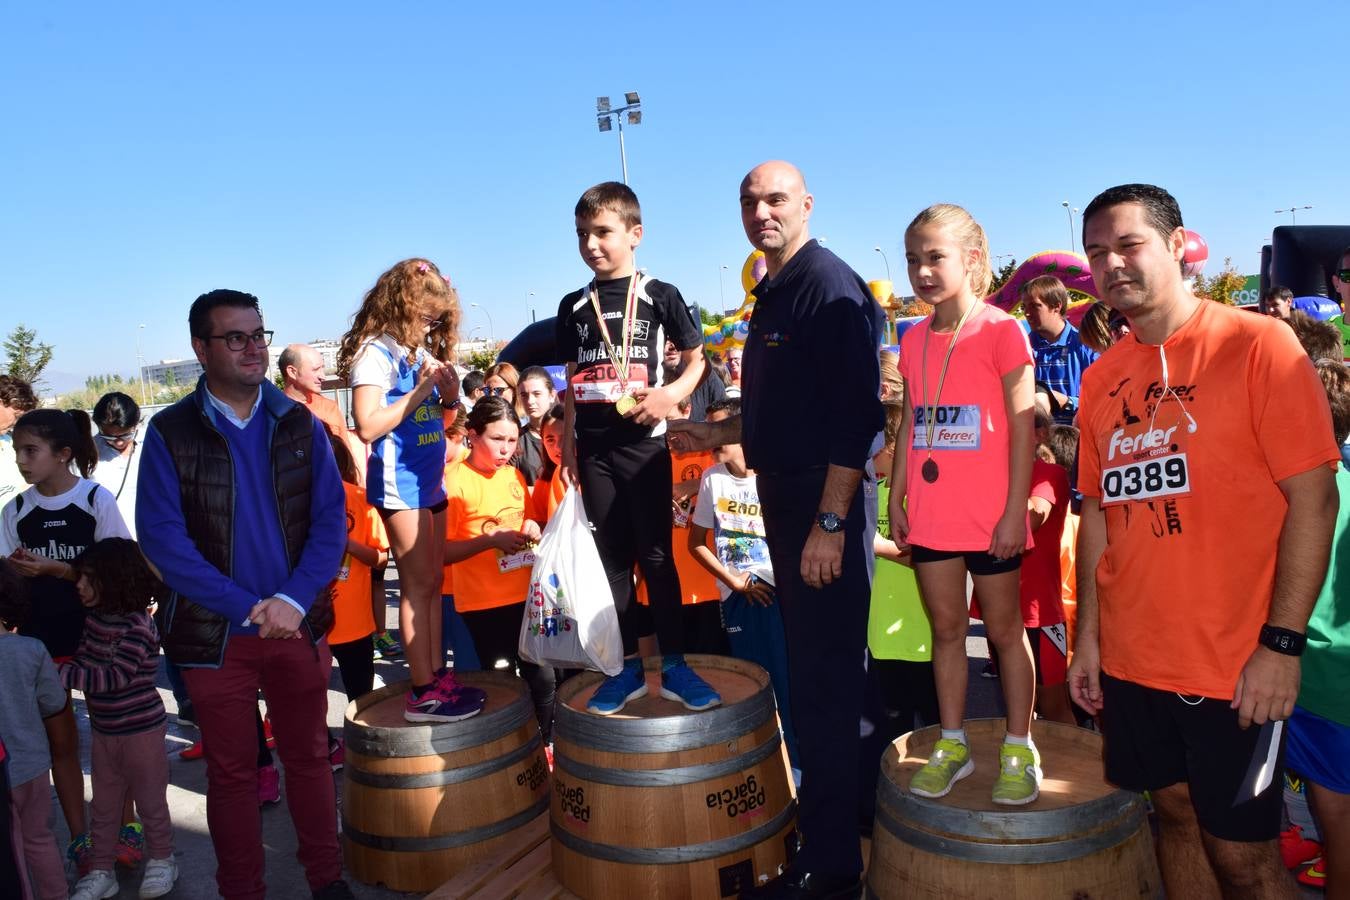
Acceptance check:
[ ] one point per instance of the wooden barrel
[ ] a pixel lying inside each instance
(1081, 838)
(421, 801)
(659, 801)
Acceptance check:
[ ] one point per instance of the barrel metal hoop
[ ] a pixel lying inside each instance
(661, 856)
(1022, 824)
(664, 734)
(445, 841)
(449, 776)
(668, 777)
(1012, 854)
(413, 741)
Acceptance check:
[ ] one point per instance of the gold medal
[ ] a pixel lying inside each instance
(625, 404)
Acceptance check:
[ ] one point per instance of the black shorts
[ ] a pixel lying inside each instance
(1155, 739)
(978, 562)
(440, 506)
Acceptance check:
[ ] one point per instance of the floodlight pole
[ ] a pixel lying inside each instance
(633, 108)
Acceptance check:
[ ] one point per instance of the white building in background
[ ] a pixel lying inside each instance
(187, 371)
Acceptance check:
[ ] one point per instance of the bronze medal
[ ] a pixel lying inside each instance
(929, 470)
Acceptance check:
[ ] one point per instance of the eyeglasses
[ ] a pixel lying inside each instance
(432, 322)
(237, 340)
(125, 438)
(495, 391)
(1343, 275)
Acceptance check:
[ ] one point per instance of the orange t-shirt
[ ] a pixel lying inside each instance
(697, 584)
(546, 495)
(481, 503)
(330, 414)
(970, 429)
(1187, 477)
(353, 618)
(456, 454)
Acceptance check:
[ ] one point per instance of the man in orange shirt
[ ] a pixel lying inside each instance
(1209, 503)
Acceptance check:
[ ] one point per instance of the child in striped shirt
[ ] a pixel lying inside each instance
(115, 669)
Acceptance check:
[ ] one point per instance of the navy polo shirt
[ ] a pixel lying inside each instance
(811, 377)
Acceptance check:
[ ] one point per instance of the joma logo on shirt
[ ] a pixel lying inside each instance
(54, 523)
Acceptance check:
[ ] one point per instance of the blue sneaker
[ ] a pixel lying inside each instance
(614, 692)
(678, 682)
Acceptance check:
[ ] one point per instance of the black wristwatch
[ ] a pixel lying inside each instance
(830, 523)
(1282, 640)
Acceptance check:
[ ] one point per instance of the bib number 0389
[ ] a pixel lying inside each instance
(1167, 476)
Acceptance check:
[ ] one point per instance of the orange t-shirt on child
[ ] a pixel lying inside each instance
(1187, 477)
(970, 429)
(353, 618)
(697, 584)
(482, 503)
(546, 495)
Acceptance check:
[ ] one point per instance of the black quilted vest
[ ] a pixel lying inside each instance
(191, 634)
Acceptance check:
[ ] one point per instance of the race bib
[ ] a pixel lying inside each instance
(600, 383)
(519, 560)
(1141, 464)
(954, 427)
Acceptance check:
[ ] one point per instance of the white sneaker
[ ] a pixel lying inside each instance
(160, 874)
(97, 885)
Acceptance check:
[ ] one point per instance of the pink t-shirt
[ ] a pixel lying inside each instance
(970, 433)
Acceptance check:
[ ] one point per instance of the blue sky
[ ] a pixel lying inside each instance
(150, 152)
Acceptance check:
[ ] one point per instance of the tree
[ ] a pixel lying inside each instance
(481, 360)
(1001, 275)
(1222, 287)
(25, 356)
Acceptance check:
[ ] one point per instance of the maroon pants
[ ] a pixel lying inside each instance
(293, 676)
(134, 765)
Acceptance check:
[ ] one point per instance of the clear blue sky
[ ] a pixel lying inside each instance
(149, 152)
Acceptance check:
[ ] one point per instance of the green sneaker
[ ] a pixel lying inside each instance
(949, 763)
(1019, 777)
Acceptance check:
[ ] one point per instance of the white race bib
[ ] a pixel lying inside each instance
(1144, 464)
(515, 561)
(601, 384)
(955, 427)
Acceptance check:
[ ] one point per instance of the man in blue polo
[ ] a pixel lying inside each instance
(1060, 355)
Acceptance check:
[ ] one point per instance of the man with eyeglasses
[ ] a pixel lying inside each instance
(241, 509)
(16, 398)
(1209, 503)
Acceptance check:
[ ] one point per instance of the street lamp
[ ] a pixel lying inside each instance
(140, 361)
(1293, 213)
(1072, 240)
(492, 331)
(721, 287)
(886, 261)
(633, 107)
(529, 305)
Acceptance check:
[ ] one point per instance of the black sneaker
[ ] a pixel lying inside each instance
(336, 890)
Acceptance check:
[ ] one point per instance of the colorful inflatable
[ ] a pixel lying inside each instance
(1069, 268)
(732, 330)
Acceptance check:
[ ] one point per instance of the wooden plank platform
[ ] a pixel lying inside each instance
(523, 872)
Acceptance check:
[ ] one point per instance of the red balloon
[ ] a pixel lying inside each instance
(1197, 253)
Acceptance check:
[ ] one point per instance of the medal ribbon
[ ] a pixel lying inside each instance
(930, 421)
(629, 316)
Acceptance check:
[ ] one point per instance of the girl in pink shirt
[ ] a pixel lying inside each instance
(959, 493)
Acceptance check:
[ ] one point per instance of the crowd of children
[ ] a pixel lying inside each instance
(972, 483)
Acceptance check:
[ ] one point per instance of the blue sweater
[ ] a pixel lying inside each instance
(261, 566)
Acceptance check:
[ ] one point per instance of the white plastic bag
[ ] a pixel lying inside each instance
(570, 620)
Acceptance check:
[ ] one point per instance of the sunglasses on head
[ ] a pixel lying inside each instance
(1118, 324)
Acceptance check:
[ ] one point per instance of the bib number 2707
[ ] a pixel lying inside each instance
(1147, 480)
